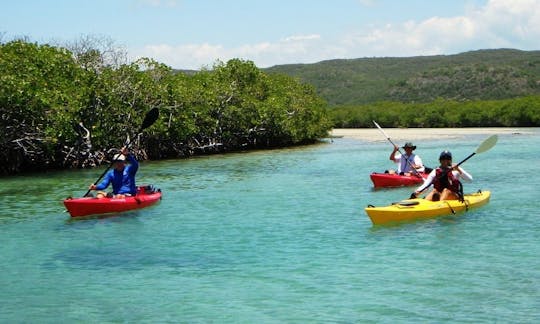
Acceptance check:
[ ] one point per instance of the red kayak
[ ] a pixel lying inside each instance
(382, 180)
(146, 196)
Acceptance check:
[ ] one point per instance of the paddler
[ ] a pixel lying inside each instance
(445, 180)
(122, 176)
(406, 162)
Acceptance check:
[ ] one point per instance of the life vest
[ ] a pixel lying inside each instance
(446, 179)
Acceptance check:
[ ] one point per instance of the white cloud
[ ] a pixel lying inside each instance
(504, 23)
(189, 56)
(195, 56)
(499, 23)
(301, 37)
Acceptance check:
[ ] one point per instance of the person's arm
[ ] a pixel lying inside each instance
(463, 174)
(105, 183)
(133, 164)
(393, 154)
(418, 164)
(426, 184)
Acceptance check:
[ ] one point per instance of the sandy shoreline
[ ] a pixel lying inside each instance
(413, 134)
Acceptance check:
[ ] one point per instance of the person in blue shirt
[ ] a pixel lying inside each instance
(121, 176)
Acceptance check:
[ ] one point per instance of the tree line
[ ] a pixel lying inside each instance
(517, 112)
(69, 108)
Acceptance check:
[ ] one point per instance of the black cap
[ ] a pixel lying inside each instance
(445, 155)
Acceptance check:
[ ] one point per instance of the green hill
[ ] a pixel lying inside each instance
(475, 75)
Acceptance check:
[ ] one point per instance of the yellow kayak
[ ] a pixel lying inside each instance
(420, 208)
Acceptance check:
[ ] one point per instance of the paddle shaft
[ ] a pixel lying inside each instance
(127, 145)
(468, 157)
(388, 138)
(486, 145)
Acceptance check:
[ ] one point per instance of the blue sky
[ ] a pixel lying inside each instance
(190, 34)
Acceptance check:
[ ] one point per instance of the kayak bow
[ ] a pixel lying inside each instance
(384, 180)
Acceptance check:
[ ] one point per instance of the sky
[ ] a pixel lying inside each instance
(195, 34)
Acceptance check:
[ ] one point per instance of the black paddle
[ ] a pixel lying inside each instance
(149, 119)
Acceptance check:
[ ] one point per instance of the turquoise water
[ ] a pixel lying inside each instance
(277, 237)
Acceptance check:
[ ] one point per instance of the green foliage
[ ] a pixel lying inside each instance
(477, 75)
(47, 92)
(119, 98)
(50, 96)
(237, 105)
(40, 87)
(522, 112)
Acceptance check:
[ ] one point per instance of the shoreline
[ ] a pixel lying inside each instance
(413, 134)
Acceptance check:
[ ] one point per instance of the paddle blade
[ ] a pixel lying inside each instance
(487, 144)
(150, 118)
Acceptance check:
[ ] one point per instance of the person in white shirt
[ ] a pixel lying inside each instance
(445, 180)
(408, 163)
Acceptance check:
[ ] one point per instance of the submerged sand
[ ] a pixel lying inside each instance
(414, 134)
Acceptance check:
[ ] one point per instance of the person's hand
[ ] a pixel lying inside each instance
(124, 150)
(92, 187)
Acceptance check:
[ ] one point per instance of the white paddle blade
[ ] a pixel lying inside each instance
(487, 144)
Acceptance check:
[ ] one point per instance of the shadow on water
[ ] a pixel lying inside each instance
(121, 256)
(120, 241)
(101, 217)
(423, 224)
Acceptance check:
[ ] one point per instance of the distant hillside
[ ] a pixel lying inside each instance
(475, 75)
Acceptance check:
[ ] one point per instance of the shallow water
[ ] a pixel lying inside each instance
(277, 236)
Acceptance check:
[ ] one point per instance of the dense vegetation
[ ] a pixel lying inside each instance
(68, 108)
(523, 112)
(475, 75)
(71, 106)
(478, 88)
